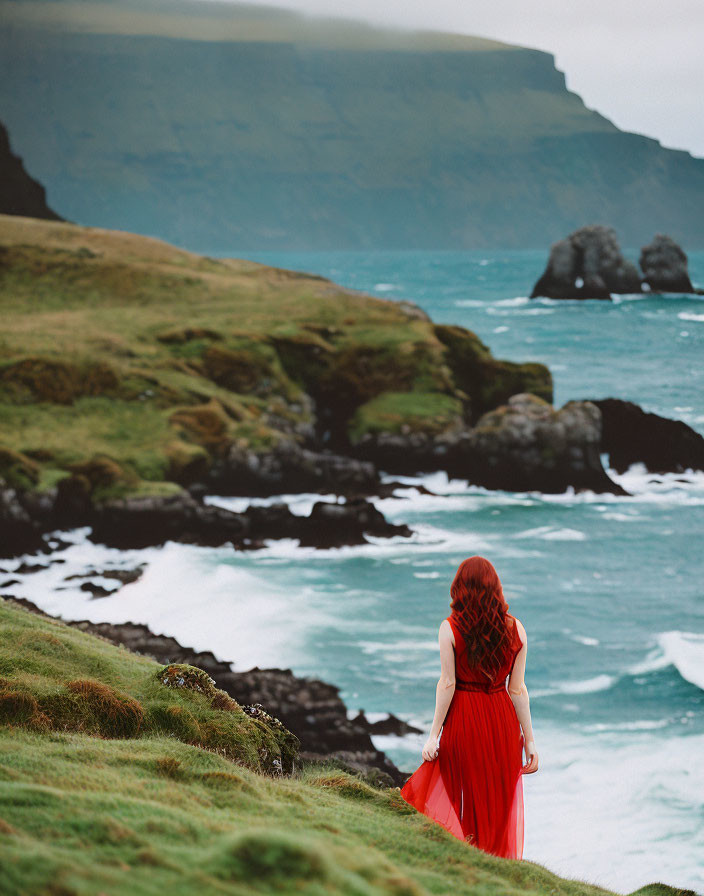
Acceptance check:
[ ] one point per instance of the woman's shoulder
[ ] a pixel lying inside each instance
(447, 630)
(519, 629)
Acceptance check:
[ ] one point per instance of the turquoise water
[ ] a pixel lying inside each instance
(608, 588)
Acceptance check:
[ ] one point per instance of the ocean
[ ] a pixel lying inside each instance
(609, 588)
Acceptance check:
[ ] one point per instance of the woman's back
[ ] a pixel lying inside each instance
(466, 672)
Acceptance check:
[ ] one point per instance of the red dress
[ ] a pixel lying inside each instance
(474, 787)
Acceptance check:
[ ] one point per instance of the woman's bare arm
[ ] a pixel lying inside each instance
(444, 691)
(519, 696)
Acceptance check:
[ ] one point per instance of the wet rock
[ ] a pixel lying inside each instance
(125, 576)
(407, 453)
(287, 467)
(140, 522)
(390, 725)
(588, 264)
(664, 266)
(19, 532)
(630, 435)
(331, 524)
(25, 568)
(527, 445)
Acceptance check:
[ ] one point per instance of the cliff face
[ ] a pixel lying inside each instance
(20, 194)
(225, 130)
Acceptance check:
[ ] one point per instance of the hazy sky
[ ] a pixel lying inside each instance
(638, 62)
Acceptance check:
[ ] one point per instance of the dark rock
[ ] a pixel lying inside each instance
(664, 266)
(390, 725)
(97, 590)
(139, 522)
(25, 568)
(20, 194)
(310, 708)
(287, 467)
(413, 452)
(19, 532)
(630, 435)
(332, 524)
(527, 445)
(587, 265)
(122, 575)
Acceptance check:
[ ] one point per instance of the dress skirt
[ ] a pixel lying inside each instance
(474, 787)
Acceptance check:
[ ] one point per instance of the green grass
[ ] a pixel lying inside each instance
(150, 814)
(156, 360)
(392, 411)
(57, 679)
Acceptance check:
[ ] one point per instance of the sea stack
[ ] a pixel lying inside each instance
(664, 266)
(588, 264)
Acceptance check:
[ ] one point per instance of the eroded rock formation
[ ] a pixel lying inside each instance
(588, 264)
(527, 445)
(630, 435)
(664, 266)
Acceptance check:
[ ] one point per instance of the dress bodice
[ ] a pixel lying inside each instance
(473, 676)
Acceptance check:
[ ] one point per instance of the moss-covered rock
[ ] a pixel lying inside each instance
(187, 462)
(208, 425)
(181, 675)
(487, 381)
(341, 378)
(406, 412)
(56, 380)
(102, 478)
(18, 470)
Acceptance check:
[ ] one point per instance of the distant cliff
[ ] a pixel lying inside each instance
(227, 128)
(19, 193)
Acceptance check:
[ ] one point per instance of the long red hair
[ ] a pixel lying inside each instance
(479, 611)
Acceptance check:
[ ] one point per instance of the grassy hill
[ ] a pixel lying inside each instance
(137, 365)
(87, 806)
(226, 127)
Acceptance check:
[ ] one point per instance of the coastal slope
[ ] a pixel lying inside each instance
(105, 787)
(130, 367)
(228, 127)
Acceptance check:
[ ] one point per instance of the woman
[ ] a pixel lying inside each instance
(471, 781)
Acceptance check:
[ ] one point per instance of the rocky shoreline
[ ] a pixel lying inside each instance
(523, 445)
(310, 708)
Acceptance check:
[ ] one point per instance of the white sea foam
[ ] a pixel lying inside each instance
(683, 650)
(585, 686)
(553, 533)
(515, 302)
(581, 639)
(386, 287)
(690, 315)
(200, 596)
(300, 503)
(640, 725)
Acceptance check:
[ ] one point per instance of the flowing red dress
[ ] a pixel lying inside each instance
(474, 787)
